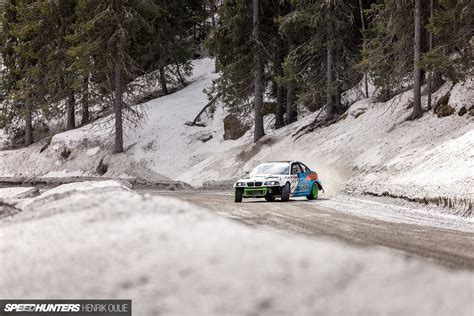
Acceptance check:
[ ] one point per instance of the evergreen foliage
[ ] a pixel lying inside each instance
(58, 54)
(61, 59)
(453, 28)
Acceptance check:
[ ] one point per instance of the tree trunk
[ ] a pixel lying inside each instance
(366, 83)
(118, 147)
(330, 69)
(163, 83)
(85, 102)
(71, 112)
(337, 92)
(28, 126)
(212, 12)
(280, 106)
(417, 111)
(291, 113)
(437, 80)
(258, 75)
(280, 91)
(430, 74)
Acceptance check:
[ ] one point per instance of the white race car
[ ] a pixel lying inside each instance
(279, 179)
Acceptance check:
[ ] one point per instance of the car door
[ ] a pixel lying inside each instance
(303, 180)
(298, 180)
(311, 177)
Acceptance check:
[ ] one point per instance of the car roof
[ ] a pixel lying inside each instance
(280, 161)
(285, 161)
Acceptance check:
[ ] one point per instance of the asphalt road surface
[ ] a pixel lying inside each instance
(448, 247)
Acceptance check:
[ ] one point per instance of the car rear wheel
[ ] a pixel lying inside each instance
(285, 192)
(239, 192)
(269, 198)
(314, 192)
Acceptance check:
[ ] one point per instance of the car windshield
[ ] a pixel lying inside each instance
(271, 168)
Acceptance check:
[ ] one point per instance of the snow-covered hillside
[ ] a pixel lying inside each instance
(161, 148)
(172, 258)
(373, 150)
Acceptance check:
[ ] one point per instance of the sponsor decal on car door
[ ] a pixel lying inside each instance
(302, 183)
(294, 183)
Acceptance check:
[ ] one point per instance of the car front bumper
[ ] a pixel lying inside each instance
(250, 192)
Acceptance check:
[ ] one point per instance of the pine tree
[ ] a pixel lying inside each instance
(32, 34)
(279, 59)
(452, 26)
(417, 110)
(234, 43)
(171, 45)
(61, 77)
(234, 87)
(213, 7)
(7, 60)
(324, 47)
(388, 54)
(9, 73)
(362, 21)
(105, 32)
(431, 43)
(258, 74)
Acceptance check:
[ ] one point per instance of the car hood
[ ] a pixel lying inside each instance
(262, 177)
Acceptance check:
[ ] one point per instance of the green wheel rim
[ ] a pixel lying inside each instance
(314, 192)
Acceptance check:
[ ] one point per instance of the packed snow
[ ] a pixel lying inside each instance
(16, 192)
(172, 258)
(374, 149)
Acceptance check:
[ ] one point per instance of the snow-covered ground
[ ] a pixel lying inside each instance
(374, 150)
(171, 258)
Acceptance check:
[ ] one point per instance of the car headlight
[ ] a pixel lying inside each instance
(240, 184)
(271, 183)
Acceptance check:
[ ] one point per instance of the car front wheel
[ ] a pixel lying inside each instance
(239, 192)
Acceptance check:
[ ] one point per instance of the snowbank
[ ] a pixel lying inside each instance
(171, 258)
(388, 209)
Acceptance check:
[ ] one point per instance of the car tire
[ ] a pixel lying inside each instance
(285, 193)
(314, 192)
(269, 198)
(239, 192)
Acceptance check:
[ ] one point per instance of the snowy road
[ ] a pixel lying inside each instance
(436, 241)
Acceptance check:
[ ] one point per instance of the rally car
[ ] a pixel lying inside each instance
(282, 179)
